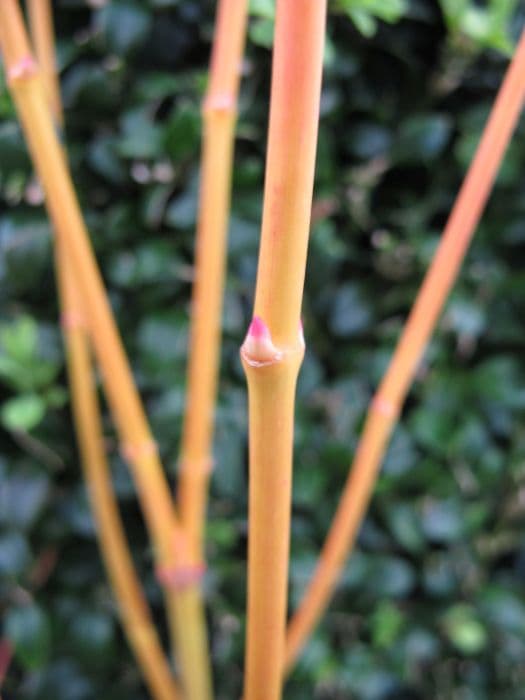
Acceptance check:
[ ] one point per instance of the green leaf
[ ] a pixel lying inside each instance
(486, 26)
(22, 498)
(404, 525)
(386, 622)
(422, 138)
(125, 25)
(23, 412)
(363, 13)
(262, 8)
(13, 153)
(182, 133)
(29, 631)
(15, 555)
(141, 137)
(92, 635)
(443, 521)
(465, 630)
(363, 21)
(261, 32)
(19, 338)
(24, 252)
(350, 313)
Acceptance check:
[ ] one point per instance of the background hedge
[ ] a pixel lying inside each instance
(431, 605)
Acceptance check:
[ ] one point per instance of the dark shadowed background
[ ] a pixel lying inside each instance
(432, 605)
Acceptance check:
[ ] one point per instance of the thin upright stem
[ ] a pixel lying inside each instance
(219, 111)
(273, 350)
(390, 396)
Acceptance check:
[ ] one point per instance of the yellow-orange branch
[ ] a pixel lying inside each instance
(273, 350)
(219, 116)
(421, 322)
(42, 34)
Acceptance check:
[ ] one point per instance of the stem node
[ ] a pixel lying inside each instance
(132, 452)
(219, 103)
(71, 319)
(385, 407)
(180, 578)
(259, 350)
(201, 467)
(23, 69)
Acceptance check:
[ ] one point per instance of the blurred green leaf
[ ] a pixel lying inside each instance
(464, 629)
(22, 498)
(182, 133)
(23, 412)
(125, 24)
(364, 12)
(29, 630)
(386, 623)
(92, 636)
(15, 554)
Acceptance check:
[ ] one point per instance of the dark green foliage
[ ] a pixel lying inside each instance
(432, 604)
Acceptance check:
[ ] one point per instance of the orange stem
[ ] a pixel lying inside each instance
(42, 33)
(273, 350)
(219, 116)
(390, 396)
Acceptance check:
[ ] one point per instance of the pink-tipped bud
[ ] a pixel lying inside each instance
(258, 329)
(24, 68)
(258, 348)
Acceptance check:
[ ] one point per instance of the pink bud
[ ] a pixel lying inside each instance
(258, 348)
(258, 329)
(24, 68)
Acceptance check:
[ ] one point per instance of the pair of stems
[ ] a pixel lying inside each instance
(179, 572)
(388, 401)
(134, 610)
(272, 350)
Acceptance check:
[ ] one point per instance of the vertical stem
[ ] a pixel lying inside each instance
(178, 572)
(42, 33)
(274, 347)
(292, 143)
(386, 405)
(219, 117)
